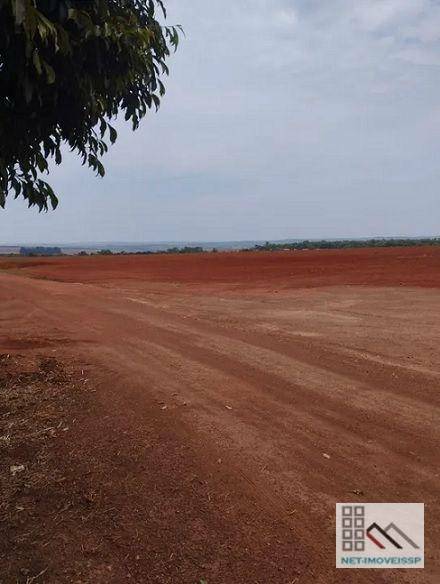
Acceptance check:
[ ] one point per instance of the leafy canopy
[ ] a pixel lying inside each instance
(68, 67)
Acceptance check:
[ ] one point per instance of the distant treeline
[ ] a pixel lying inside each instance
(345, 243)
(268, 246)
(185, 249)
(40, 251)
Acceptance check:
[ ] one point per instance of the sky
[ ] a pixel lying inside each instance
(282, 119)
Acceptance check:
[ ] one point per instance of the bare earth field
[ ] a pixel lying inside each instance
(178, 419)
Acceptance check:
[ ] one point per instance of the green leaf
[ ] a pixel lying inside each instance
(50, 73)
(113, 134)
(36, 61)
(100, 168)
(20, 9)
(41, 162)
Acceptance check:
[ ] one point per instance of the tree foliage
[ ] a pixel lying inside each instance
(67, 68)
(307, 244)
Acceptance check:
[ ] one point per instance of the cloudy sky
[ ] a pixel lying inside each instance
(283, 118)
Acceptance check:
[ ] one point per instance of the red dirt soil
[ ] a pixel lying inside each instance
(218, 382)
(415, 266)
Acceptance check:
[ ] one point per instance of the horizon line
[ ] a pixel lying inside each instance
(213, 241)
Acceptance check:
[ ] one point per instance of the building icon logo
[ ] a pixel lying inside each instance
(353, 528)
(379, 535)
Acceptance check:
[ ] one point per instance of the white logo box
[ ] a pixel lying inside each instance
(380, 535)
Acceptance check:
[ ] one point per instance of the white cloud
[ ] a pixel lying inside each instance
(376, 14)
(286, 18)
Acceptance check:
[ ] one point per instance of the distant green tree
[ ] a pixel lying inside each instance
(67, 67)
(40, 251)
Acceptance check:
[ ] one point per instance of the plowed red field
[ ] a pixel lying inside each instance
(228, 402)
(416, 266)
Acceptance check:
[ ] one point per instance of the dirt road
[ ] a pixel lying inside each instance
(259, 393)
